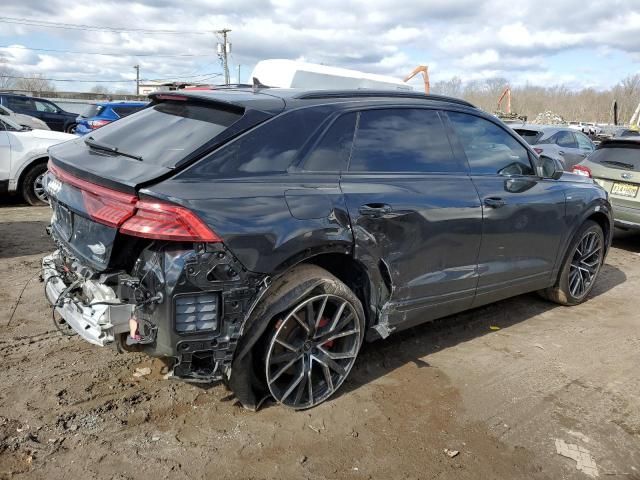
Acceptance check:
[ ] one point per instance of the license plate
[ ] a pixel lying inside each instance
(64, 220)
(624, 189)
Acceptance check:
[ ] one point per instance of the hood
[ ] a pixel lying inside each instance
(51, 135)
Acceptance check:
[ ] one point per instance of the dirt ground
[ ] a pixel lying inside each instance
(501, 397)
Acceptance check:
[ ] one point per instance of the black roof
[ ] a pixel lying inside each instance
(275, 100)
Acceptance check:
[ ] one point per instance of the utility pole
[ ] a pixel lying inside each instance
(239, 82)
(137, 67)
(223, 51)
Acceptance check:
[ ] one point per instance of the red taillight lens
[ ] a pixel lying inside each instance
(163, 221)
(103, 205)
(93, 124)
(139, 218)
(538, 150)
(582, 170)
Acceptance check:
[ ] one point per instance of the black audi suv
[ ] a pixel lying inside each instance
(258, 236)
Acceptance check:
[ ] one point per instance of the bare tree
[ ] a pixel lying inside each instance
(35, 83)
(100, 90)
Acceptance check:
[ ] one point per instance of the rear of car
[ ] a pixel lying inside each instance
(615, 165)
(100, 114)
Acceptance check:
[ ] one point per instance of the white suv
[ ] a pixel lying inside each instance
(23, 159)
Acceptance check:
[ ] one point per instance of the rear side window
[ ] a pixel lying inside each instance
(331, 153)
(270, 147)
(530, 136)
(619, 157)
(565, 139)
(124, 111)
(166, 132)
(402, 140)
(17, 103)
(489, 148)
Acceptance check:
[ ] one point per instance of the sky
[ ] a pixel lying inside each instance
(577, 43)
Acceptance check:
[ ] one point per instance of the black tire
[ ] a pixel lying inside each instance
(576, 267)
(336, 329)
(71, 128)
(31, 188)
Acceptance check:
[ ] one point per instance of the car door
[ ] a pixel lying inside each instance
(523, 214)
(415, 214)
(568, 148)
(5, 157)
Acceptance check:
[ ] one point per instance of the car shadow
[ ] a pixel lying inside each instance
(628, 240)
(22, 238)
(381, 357)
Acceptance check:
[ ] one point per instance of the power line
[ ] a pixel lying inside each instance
(109, 54)
(95, 28)
(206, 76)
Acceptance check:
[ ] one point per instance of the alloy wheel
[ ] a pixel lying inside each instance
(38, 188)
(585, 264)
(312, 351)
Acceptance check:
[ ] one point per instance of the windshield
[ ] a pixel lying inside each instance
(12, 125)
(167, 132)
(621, 157)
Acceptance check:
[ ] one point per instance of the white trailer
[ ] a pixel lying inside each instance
(292, 74)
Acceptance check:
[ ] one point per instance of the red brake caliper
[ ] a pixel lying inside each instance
(323, 323)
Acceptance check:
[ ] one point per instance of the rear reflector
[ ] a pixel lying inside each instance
(139, 218)
(582, 170)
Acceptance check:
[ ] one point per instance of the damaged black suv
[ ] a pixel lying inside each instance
(258, 236)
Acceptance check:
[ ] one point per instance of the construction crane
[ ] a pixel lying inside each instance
(424, 69)
(505, 93)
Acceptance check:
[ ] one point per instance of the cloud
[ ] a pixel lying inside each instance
(465, 38)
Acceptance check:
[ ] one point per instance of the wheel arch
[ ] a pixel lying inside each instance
(37, 160)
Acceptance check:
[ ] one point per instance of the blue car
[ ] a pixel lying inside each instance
(100, 114)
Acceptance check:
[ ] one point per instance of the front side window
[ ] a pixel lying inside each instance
(489, 148)
(45, 107)
(583, 142)
(402, 140)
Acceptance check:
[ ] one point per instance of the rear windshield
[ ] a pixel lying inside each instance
(92, 111)
(620, 157)
(165, 133)
(126, 110)
(530, 136)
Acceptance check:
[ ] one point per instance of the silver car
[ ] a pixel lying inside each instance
(562, 144)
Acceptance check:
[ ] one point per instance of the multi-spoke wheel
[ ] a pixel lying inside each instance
(32, 186)
(585, 264)
(581, 267)
(312, 349)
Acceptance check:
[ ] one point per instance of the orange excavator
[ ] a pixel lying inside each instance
(424, 69)
(505, 93)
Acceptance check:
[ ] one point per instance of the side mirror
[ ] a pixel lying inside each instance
(550, 168)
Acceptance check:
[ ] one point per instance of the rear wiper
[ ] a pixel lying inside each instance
(98, 145)
(628, 166)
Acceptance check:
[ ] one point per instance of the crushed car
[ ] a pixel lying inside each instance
(259, 236)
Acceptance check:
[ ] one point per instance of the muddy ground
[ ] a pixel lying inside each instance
(501, 397)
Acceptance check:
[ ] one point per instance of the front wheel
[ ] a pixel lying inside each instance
(581, 266)
(32, 186)
(311, 349)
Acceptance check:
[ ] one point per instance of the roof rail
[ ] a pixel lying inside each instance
(317, 94)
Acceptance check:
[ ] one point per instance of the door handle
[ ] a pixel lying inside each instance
(374, 209)
(560, 153)
(494, 202)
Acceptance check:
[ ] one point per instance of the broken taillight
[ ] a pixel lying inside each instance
(138, 218)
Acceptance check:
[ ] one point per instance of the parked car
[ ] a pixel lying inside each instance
(56, 118)
(585, 127)
(102, 113)
(559, 143)
(260, 237)
(23, 159)
(24, 120)
(615, 165)
(627, 133)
